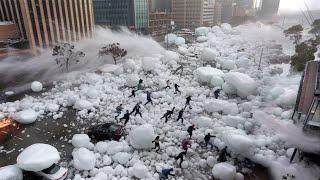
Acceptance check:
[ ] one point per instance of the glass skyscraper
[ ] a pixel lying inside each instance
(114, 12)
(141, 13)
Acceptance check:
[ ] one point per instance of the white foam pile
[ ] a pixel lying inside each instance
(208, 55)
(38, 157)
(11, 172)
(174, 39)
(243, 83)
(205, 74)
(26, 116)
(36, 86)
(83, 159)
(141, 137)
(217, 105)
(81, 140)
(226, 62)
(224, 171)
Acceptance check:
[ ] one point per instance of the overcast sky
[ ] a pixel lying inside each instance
(295, 5)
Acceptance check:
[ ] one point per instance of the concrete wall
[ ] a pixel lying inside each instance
(8, 31)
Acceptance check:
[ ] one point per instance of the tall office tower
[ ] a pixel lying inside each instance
(114, 12)
(141, 14)
(245, 3)
(193, 13)
(227, 11)
(269, 7)
(131, 13)
(159, 17)
(160, 5)
(217, 13)
(47, 22)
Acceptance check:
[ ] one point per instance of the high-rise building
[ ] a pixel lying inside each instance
(44, 23)
(269, 7)
(159, 17)
(141, 14)
(208, 13)
(244, 3)
(193, 13)
(159, 23)
(114, 12)
(130, 13)
(160, 5)
(8, 31)
(227, 10)
(217, 13)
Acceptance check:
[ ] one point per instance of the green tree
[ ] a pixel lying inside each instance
(66, 56)
(294, 33)
(315, 27)
(304, 52)
(114, 51)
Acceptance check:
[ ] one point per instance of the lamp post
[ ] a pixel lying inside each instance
(171, 27)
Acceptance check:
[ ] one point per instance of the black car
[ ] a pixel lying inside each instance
(107, 131)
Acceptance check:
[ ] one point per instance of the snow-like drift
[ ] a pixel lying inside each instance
(38, 157)
(245, 89)
(11, 172)
(141, 137)
(243, 83)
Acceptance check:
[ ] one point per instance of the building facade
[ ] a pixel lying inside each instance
(44, 23)
(114, 12)
(10, 10)
(8, 30)
(269, 7)
(141, 14)
(159, 17)
(159, 23)
(131, 13)
(217, 13)
(193, 13)
(227, 10)
(160, 5)
(208, 13)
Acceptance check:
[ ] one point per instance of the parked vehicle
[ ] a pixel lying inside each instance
(54, 172)
(107, 131)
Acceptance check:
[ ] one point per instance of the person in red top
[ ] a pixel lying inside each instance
(186, 144)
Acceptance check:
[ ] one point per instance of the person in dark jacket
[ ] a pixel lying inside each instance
(168, 114)
(207, 140)
(137, 109)
(168, 85)
(186, 144)
(180, 156)
(165, 173)
(223, 155)
(180, 115)
(140, 84)
(190, 130)
(176, 89)
(180, 68)
(149, 100)
(133, 93)
(188, 99)
(156, 142)
(118, 111)
(126, 117)
(217, 93)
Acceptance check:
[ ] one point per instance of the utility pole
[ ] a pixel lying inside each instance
(259, 67)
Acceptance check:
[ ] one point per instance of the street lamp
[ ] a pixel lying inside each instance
(171, 26)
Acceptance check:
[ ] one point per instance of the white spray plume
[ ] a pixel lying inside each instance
(293, 135)
(44, 68)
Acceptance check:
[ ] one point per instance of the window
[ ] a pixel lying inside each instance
(52, 169)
